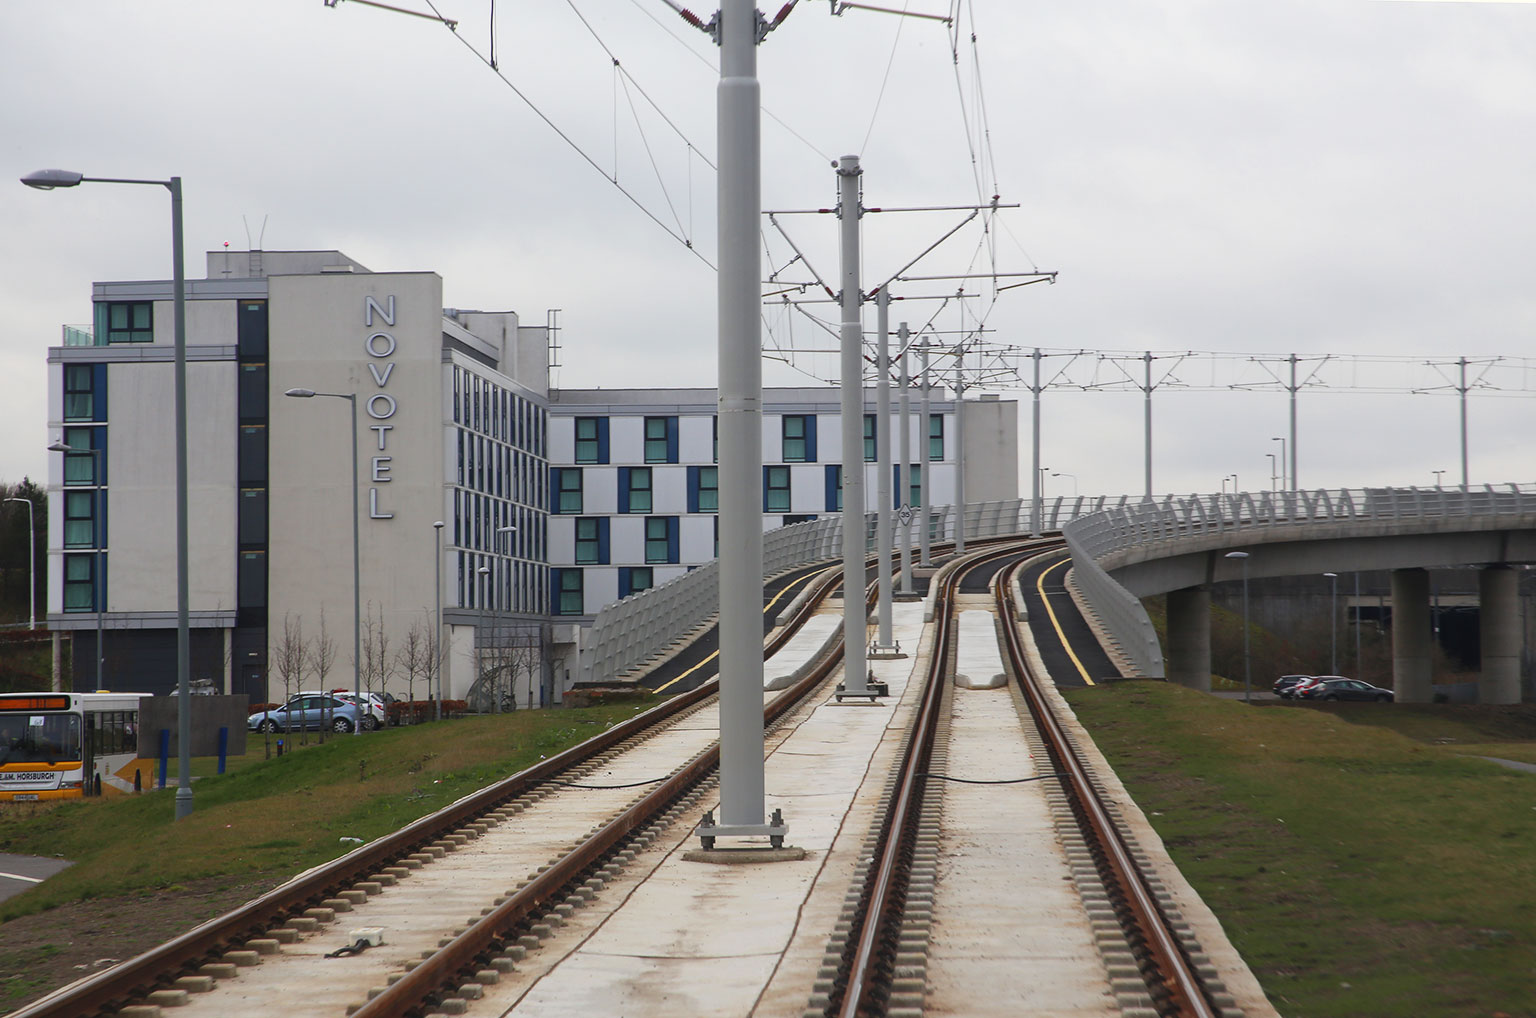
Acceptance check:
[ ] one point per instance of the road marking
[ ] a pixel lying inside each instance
(18, 876)
(716, 653)
(1040, 586)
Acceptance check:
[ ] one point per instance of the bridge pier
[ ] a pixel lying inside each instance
(1188, 661)
(1411, 635)
(1500, 635)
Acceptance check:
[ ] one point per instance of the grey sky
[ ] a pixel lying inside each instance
(1344, 176)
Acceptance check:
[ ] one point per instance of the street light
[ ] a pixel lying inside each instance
(47, 180)
(1247, 657)
(31, 564)
(1074, 481)
(1333, 611)
(437, 577)
(1274, 477)
(1285, 478)
(1437, 474)
(357, 580)
(99, 581)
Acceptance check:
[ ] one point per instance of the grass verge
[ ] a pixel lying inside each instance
(1360, 861)
(285, 814)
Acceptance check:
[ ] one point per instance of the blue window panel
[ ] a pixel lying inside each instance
(834, 479)
(671, 439)
(623, 489)
(100, 383)
(554, 489)
(602, 539)
(693, 489)
(674, 550)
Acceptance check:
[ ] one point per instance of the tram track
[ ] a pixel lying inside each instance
(1154, 963)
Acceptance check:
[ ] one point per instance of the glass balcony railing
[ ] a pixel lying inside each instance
(78, 335)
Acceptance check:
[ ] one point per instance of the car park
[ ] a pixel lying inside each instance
(308, 710)
(1337, 687)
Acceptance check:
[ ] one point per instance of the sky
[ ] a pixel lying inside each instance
(1350, 178)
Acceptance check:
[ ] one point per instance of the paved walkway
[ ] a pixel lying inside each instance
(23, 872)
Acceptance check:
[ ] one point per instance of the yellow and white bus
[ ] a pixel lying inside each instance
(66, 745)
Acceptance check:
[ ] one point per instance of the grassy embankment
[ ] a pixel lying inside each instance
(1361, 859)
(276, 817)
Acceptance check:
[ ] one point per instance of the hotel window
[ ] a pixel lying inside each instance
(869, 438)
(570, 490)
(129, 322)
(571, 598)
(661, 538)
(917, 484)
(588, 446)
(80, 392)
(639, 578)
(79, 519)
(714, 431)
(935, 436)
(709, 490)
(80, 464)
(588, 547)
(661, 439)
(79, 583)
(635, 493)
(797, 440)
(775, 489)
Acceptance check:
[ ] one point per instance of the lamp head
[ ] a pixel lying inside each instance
(300, 393)
(47, 180)
(484, 570)
(1332, 576)
(1236, 554)
(60, 447)
(438, 524)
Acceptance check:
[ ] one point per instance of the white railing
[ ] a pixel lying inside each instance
(628, 633)
(1095, 536)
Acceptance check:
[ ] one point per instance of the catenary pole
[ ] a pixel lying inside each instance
(852, 378)
(904, 466)
(925, 467)
(1295, 484)
(1036, 511)
(883, 467)
(739, 397)
(1147, 390)
(183, 613)
(960, 450)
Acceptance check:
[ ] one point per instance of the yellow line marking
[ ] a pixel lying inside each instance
(716, 653)
(1040, 586)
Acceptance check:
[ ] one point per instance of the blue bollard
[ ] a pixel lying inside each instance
(165, 753)
(223, 746)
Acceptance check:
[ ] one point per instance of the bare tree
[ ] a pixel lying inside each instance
(508, 657)
(288, 661)
(320, 659)
(415, 658)
(378, 666)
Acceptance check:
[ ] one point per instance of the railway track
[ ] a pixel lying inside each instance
(880, 967)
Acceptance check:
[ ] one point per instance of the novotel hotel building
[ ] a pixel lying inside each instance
(552, 504)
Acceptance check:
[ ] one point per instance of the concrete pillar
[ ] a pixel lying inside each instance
(1411, 635)
(1500, 634)
(1188, 661)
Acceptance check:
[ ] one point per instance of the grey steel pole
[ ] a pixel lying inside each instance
(883, 468)
(101, 578)
(1147, 427)
(960, 453)
(1462, 389)
(1037, 511)
(1359, 672)
(357, 585)
(852, 377)
(1333, 614)
(31, 564)
(740, 410)
(904, 468)
(1295, 484)
(925, 454)
(183, 632)
(437, 579)
(1247, 657)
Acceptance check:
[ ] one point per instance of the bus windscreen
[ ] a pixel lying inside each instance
(39, 738)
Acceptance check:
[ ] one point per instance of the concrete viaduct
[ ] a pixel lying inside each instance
(1178, 547)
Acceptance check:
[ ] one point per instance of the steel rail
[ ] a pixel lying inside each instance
(1186, 995)
(885, 892)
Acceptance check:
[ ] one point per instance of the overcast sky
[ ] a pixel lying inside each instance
(1243, 176)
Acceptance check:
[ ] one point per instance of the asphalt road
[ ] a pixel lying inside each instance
(1067, 645)
(23, 872)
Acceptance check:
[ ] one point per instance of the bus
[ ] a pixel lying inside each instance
(66, 745)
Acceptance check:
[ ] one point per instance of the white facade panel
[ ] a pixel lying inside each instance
(626, 535)
(562, 539)
(773, 438)
(626, 440)
(562, 440)
(807, 488)
(600, 586)
(600, 486)
(669, 490)
(696, 538)
(696, 439)
(209, 323)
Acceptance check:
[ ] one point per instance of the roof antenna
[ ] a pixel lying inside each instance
(255, 249)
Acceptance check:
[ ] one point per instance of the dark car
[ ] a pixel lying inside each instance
(1346, 689)
(1285, 685)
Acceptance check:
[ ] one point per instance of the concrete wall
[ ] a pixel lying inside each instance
(209, 713)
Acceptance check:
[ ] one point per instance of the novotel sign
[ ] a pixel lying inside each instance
(381, 406)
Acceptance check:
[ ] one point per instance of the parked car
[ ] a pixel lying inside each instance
(308, 710)
(378, 707)
(1336, 687)
(1286, 684)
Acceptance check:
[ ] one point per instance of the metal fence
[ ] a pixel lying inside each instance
(626, 634)
(1127, 523)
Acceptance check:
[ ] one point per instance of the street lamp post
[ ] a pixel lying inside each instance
(1333, 613)
(1242, 556)
(485, 586)
(47, 180)
(437, 578)
(1274, 476)
(31, 564)
(99, 580)
(1438, 474)
(1074, 481)
(357, 579)
(1285, 478)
